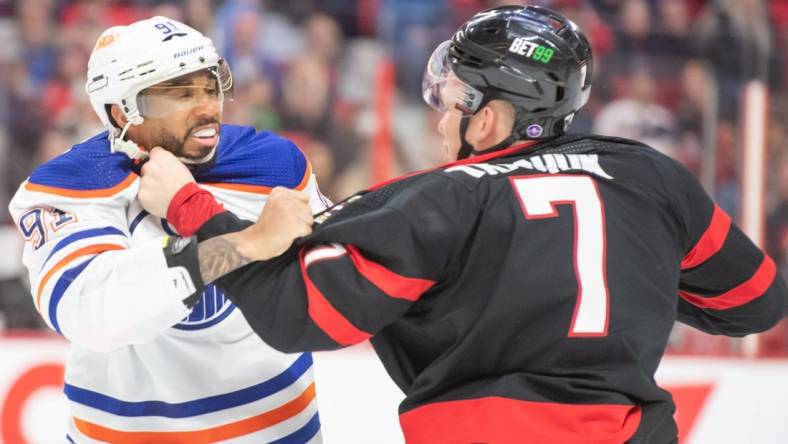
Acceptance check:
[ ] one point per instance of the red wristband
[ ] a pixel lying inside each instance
(190, 208)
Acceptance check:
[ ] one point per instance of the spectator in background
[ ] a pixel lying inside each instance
(16, 307)
(24, 121)
(266, 37)
(260, 94)
(634, 35)
(777, 221)
(9, 58)
(307, 108)
(673, 36)
(411, 29)
(36, 36)
(637, 116)
(323, 40)
(695, 90)
(306, 97)
(68, 81)
(198, 14)
(583, 13)
(242, 50)
(82, 20)
(602, 40)
(320, 157)
(727, 189)
(735, 38)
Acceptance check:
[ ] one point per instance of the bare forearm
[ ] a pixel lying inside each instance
(220, 255)
(286, 217)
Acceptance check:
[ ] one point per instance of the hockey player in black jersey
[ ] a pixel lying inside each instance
(524, 293)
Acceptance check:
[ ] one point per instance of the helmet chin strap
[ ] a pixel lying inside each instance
(128, 147)
(466, 149)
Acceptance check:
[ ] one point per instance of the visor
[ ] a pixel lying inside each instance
(185, 92)
(443, 90)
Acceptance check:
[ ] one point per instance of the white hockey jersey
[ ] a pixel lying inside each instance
(143, 367)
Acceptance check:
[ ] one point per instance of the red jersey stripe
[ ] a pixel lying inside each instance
(389, 282)
(711, 241)
(743, 293)
(505, 420)
(325, 316)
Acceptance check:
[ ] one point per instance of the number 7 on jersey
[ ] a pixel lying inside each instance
(539, 195)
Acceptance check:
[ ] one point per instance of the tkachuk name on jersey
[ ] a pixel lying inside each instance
(547, 163)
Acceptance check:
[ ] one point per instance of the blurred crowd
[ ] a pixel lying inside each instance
(342, 78)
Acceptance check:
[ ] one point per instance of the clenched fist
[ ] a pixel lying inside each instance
(162, 176)
(285, 217)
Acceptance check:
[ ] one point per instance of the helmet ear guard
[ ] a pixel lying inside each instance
(443, 90)
(225, 76)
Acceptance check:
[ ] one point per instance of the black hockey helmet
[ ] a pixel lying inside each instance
(529, 56)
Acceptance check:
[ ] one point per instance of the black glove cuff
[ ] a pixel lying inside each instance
(222, 223)
(184, 266)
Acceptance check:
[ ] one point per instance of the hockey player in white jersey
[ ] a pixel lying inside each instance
(149, 362)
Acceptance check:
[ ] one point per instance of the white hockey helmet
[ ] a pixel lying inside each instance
(128, 59)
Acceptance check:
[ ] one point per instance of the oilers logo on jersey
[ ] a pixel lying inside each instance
(212, 308)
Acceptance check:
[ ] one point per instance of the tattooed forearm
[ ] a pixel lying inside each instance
(219, 256)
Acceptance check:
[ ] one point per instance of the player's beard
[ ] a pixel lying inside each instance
(176, 145)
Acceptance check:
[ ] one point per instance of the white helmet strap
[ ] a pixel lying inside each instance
(128, 147)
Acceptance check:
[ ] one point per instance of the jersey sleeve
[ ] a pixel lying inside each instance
(87, 281)
(317, 201)
(308, 181)
(727, 284)
(357, 273)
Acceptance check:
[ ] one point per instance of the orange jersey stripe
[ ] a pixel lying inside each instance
(259, 189)
(92, 249)
(102, 192)
(213, 434)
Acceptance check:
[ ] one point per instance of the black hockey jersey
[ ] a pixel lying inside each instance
(525, 296)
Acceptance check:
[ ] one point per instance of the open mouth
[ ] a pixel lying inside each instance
(207, 136)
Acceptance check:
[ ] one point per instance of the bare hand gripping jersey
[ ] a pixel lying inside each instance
(524, 296)
(144, 368)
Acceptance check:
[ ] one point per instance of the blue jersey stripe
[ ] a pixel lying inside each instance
(136, 221)
(302, 435)
(71, 238)
(61, 286)
(191, 408)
